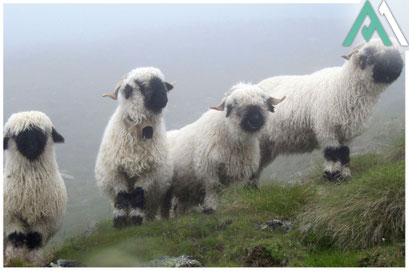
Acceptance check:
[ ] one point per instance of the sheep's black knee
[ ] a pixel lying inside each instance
(121, 200)
(34, 240)
(17, 238)
(331, 154)
(137, 198)
(120, 222)
(335, 154)
(344, 155)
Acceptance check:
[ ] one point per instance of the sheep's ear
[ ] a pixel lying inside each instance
(5, 142)
(57, 138)
(169, 86)
(220, 107)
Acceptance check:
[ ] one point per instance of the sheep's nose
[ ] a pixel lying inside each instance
(387, 67)
(253, 120)
(158, 101)
(31, 142)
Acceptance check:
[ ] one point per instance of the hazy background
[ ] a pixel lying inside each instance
(60, 59)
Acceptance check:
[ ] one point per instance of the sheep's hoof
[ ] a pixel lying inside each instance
(120, 222)
(136, 220)
(335, 176)
(209, 211)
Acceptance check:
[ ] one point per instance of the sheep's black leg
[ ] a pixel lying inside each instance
(34, 240)
(337, 160)
(17, 239)
(120, 207)
(137, 201)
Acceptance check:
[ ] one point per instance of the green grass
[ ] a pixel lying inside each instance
(357, 223)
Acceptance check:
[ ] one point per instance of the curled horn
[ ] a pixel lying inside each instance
(220, 107)
(274, 101)
(354, 50)
(114, 95)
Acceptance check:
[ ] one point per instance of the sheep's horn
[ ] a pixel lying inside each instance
(114, 95)
(173, 83)
(220, 107)
(275, 101)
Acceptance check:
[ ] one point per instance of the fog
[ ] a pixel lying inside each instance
(60, 59)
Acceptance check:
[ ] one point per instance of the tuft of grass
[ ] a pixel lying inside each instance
(369, 210)
(276, 200)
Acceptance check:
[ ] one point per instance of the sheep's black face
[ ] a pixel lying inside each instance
(31, 142)
(252, 119)
(155, 94)
(386, 66)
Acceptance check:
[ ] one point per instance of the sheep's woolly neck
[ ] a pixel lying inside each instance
(34, 191)
(123, 148)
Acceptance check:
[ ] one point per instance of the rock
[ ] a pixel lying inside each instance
(64, 263)
(277, 225)
(181, 261)
(260, 257)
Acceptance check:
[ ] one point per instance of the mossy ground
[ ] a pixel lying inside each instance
(357, 223)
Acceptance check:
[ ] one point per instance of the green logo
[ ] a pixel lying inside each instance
(367, 31)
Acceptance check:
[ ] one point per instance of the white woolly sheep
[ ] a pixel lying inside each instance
(133, 167)
(329, 108)
(220, 148)
(35, 197)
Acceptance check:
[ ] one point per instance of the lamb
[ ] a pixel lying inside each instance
(220, 148)
(329, 108)
(133, 167)
(35, 197)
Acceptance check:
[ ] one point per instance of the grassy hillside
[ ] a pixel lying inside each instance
(358, 223)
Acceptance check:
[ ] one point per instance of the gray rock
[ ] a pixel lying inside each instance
(64, 263)
(277, 225)
(181, 261)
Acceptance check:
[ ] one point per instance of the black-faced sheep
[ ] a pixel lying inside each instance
(329, 108)
(133, 167)
(220, 148)
(35, 197)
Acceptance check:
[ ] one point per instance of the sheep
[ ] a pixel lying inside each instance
(133, 167)
(329, 108)
(35, 196)
(220, 148)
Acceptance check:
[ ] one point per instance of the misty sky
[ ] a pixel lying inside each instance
(60, 59)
